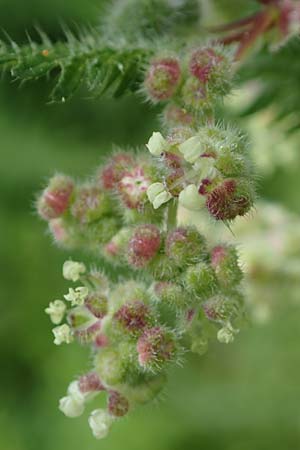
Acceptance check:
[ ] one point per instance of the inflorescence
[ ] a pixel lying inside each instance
(178, 293)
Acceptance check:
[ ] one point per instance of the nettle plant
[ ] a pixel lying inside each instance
(177, 293)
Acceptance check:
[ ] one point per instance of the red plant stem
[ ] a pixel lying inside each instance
(234, 25)
(261, 24)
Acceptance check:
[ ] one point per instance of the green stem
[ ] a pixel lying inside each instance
(171, 215)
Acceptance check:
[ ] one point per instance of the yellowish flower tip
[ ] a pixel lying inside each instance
(190, 198)
(157, 144)
(158, 195)
(100, 422)
(77, 296)
(62, 334)
(72, 270)
(70, 406)
(56, 311)
(191, 149)
(226, 334)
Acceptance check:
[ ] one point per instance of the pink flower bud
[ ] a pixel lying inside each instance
(133, 187)
(118, 405)
(101, 341)
(224, 260)
(162, 78)
(55, 199)
(133, 316)
(185, 246)
(89, 334)
(202, 63)
(112, 173)
(229, 200)
(90, 204)
(155, 347)
(90, 382)
(177, 115)
(96, 303)
(203, 188)
(143, 245)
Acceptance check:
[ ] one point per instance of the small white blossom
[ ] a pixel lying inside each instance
(56, 311)
(100, 422)
(226, 334)
(72, 270)
(190, 198)
(62, 334)
(158, 195)
(157, 144)
(191, 149)
(70, 406)
(77, 296)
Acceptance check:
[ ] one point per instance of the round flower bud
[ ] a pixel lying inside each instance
(219, 309)
(97, 304)
(176, 115)
(200, 279)
(229, 199)
(118, 405)
(143, 245)
(116, 247)
(111, 366)
(226, 334)
(224, 260)
(113, 172)
(133, 187)
(100, 422)
(90, 383)
(155, 347)
(185, 246)
(204, 63)
(171, 294)
(71, 406)
(72, 270)
(55, 199)
(90, 204)
(162, 78)
(133, 317)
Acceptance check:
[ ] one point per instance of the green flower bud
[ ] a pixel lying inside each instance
(200, 279)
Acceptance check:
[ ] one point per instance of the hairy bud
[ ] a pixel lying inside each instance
(118, 405)
(143, 245)
(155, 347)
(185, 246)
(225, 262)
(55, 199)
(113, 172)
(229, 199)
(133, 317)
(90, 383)
(200, 279)
(90, 204)
(162, 78)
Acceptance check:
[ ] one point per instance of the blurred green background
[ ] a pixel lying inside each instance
(239, 397)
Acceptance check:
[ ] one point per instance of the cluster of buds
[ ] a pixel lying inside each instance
(193, 83)
(213, 171)
(127, 213)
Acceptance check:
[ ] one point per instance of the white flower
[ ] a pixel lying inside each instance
(72, 270)
(191, 149)
(62, 334)
(77, 296)
(157, 194)
(100, 422)
(157, 144)
(226, 334)
(70, 406)
(190, 198)
(56, 311)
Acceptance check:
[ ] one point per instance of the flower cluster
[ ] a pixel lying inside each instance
(179, 292)
(208, 167)
(123, 323)
(192, 83)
